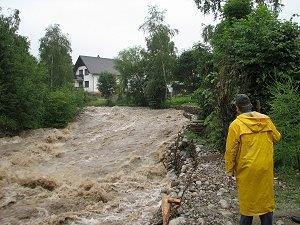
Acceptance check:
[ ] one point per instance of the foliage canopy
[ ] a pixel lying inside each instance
(130, 64)
(253, 53)
(285, 112)
(21, 87)
(144, 72)
(55, 52)
(216, 6)
(107, 84)
(27, 99)
(192, 66)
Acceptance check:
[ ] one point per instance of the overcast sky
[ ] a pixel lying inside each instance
(105, 27)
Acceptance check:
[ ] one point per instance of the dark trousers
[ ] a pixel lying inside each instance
(265, 219)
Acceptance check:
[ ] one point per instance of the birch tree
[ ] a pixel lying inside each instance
(55, 53)
(160, 55)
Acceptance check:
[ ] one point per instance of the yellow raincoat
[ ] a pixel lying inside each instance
(249, 156)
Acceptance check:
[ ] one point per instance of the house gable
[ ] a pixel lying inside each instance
(96, 65)
(78, 64)
(87, 70)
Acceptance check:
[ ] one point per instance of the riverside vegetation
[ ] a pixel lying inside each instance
(35, 93)
(250, 50)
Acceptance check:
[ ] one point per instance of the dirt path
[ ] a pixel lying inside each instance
(103, 169)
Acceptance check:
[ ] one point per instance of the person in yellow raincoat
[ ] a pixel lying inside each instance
(249, 157)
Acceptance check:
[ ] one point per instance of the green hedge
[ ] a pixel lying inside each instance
(286, 115)
(61, 106)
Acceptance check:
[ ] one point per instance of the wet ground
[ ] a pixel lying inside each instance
(105, 168)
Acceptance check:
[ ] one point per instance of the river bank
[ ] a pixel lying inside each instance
(198, 178)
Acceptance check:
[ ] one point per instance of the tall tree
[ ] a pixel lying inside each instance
(251, 52)
(130, 64)
(192, 66)
(215, 6)
(55, 52)
(21, 87)
(107, 84)
(160, 53)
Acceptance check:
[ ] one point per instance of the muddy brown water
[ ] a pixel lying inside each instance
(104, 168)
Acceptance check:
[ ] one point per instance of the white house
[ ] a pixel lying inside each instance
(88, 69)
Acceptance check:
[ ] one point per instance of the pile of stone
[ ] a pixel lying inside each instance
(198, 179)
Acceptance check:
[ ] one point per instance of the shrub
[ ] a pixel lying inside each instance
(205, 95)
(60, 108)
(98, 102)
(7, 125)
(80, 97)
(155, 93)
(107, 84)
(286, 115)
(214, 131)
(136, 91)
(132, 78)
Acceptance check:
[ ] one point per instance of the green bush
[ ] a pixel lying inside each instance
(7, 125)
(205, 95)
(136, 93)
(205, 99)
(98, 102)
(132, 79)
(249, 54)
(60, 108)
(155, 93)
(107, 84)
(124, 101)
(194, 137)
(286, 115)
(79, 97)
(214, 132)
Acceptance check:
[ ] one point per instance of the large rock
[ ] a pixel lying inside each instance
(224, 204)
(178, 221)
(279, 222)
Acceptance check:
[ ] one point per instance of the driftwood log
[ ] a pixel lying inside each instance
(166, 207)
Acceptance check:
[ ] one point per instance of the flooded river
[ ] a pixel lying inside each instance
(105, 168)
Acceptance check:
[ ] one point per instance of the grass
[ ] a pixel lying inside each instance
(195, 137)
(93, 100)
(180, 100)
(288, 190)
(97, 102)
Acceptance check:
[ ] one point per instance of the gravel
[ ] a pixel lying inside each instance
(198, 178)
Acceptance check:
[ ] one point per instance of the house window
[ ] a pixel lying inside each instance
(80, 83)
(86, 84)
(80, 72)
(86, 72)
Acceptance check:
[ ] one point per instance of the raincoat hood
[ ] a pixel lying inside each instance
(255, 121)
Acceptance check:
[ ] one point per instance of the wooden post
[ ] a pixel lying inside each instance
(166, 207)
